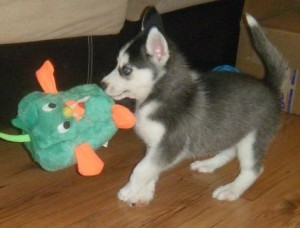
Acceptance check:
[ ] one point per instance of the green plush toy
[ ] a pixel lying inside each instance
(63, 128)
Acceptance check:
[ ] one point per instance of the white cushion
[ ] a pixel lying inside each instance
(23, 21)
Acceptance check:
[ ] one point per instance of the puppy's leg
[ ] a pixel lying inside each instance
(249, 171)
(211, 164)
(140, 189)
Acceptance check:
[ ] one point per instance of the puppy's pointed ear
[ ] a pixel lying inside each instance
(157, 47)
(151, 18)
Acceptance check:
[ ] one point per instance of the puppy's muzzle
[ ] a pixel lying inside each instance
(103, 85)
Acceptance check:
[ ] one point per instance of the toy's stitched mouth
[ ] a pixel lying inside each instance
(75, 108)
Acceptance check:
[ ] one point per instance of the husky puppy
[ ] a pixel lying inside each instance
(183, 114)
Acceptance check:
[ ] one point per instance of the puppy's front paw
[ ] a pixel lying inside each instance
(203, 166)
(226, 192)
(134, 196)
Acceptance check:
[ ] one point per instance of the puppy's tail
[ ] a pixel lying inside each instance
(275, 65)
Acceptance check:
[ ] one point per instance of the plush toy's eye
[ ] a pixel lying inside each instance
(64, 127)
(126, 70)
(49, 107)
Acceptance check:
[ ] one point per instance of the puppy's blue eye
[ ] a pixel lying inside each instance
(126, 70)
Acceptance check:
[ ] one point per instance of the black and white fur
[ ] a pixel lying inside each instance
(183, 114)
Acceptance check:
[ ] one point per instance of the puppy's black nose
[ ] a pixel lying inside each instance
(103, 85)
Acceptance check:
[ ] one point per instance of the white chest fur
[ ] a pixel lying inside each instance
(149, 130)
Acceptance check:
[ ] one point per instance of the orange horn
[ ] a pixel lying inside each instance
(45, 77)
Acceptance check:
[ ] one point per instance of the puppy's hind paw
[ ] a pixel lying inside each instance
(226, 192)
(202, 166)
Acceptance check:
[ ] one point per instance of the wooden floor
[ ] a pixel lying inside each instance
(31, 197)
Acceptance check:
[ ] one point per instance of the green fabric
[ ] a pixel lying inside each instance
(15, 138)
(53, 149)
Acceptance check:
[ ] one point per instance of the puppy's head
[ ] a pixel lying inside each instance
(140, 62)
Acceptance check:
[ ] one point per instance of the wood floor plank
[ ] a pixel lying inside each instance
(31, 197)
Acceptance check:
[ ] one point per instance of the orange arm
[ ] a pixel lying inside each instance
(122, 117)
(89, 164)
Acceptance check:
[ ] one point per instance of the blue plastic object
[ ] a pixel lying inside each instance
(225, 68)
